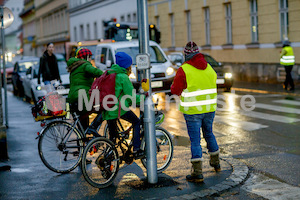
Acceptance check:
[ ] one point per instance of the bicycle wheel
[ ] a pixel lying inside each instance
(104, 162)
(59, 147)
(164, 149)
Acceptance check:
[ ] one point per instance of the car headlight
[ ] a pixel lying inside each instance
(228, 75)
(170, 71)
(38, 87)
(132, 76)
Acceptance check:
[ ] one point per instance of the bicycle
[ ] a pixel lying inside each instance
(106, 157)
(61, 143)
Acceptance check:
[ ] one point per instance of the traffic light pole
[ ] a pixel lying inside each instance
(149, 118)
(3, 145)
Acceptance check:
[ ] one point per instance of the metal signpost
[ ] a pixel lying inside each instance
(7, 19)
(143, 64)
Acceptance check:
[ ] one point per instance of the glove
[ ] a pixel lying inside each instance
(145, 85)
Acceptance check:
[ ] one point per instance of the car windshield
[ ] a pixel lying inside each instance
(211, 61)
(24, 65)
(156, 55)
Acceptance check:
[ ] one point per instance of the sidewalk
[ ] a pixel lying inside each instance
(30, 179)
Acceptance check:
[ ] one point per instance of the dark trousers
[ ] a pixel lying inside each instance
(288, 77)
(135, 121)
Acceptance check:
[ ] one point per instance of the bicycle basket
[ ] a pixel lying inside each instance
(159, 118)
(50, 106)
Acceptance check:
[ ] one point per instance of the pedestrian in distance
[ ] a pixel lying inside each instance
(195, 82)
(123, 86)
(287, 59)
(82, 75)
(48, 68)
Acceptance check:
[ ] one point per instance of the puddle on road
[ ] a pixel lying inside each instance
(20, 170)
(181, 141)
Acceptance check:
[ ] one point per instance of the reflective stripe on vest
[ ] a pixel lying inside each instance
(288, 58)
(200, 96)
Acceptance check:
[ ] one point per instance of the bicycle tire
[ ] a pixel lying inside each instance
(69, 155)
(164, 150)
(104, 162)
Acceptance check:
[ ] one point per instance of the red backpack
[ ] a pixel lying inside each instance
(106, 86)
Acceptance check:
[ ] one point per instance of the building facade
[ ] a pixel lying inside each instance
(87, 16)
(51, 24)
(29, 30)
(247, 34)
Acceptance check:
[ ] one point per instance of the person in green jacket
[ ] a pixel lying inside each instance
(82, 75)
(123, 87)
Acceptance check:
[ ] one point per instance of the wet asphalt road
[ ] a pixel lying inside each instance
(268, 147)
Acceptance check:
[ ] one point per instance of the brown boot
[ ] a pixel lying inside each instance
(196, 175)
(215, 161)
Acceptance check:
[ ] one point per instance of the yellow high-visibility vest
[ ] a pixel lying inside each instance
(288, 58)
(200, 96)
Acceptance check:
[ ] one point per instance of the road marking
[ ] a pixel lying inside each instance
(270, 188)
(291, 102)
(277, 108)
(276, 118)
(248, 126)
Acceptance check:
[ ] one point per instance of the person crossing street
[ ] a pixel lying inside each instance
(287, 59)
(195, 82)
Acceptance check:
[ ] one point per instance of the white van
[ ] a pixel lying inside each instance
(162, 71)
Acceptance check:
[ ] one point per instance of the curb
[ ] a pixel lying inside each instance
(239, 174)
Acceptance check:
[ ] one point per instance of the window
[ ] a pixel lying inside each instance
(284, 19)
(95, 30)
(134, 17)
(157, 22)
(88, 32)
(254, 21)
(207, 26)
(75, 34)
(228, 23)
(128, 18)
(188, 26)
(81, 33)
(122, 19)
(103, 55)
(172, 30)
(110, 56)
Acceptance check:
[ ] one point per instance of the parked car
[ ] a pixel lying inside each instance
(162, 71)
(19, 73)
(225, 79)
(9, 67)
(176, 58)
(34, 91)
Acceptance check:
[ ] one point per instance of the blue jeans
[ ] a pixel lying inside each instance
(194, 124)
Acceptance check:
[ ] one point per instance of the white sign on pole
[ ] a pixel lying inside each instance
(8, 17)
(142, 61)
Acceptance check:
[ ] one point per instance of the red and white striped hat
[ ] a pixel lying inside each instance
(191, 47)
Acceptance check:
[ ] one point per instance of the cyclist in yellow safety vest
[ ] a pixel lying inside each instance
(287, 59)
(195, 82)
